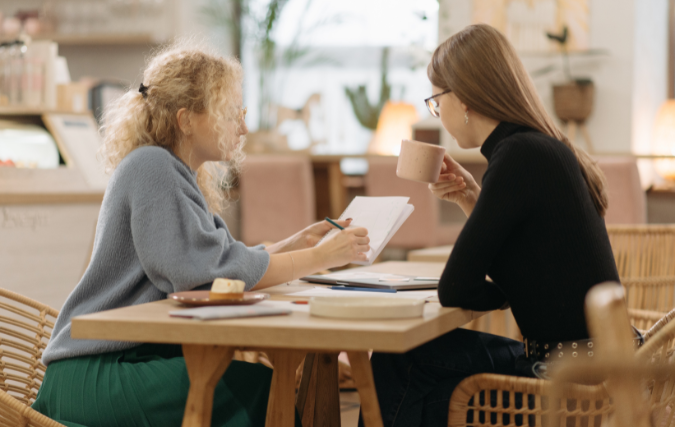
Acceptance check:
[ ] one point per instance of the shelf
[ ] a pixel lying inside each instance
(34, 111)
(558, 53)
(100, 39)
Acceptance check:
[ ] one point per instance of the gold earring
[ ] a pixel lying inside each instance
(466, 117)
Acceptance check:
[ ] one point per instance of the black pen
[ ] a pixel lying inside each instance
(334, 223)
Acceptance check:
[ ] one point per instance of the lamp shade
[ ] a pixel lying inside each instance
(394, 125)
(664, 139)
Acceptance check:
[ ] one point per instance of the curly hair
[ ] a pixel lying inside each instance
(185, 74)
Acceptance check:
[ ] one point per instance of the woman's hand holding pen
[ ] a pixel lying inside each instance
(349, 245)
(455, 184)
(315, 232)
(306, 238)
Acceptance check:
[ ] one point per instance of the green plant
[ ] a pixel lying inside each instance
(237, 20)
(231, 16)
(366, 113)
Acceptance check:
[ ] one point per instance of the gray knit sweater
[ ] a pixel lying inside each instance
(154, 236)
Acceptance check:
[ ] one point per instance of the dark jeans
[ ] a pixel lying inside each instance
(414, 388)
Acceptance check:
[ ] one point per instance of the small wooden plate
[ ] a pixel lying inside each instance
(201, 298)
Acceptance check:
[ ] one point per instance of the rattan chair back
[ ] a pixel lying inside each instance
(505, 401)
(25, 329)
(659, 350)
(500, 400)
(644, 320)
(650, 293)
(643, 250)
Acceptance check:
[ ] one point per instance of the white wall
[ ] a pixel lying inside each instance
(630, 78)
(650, 79)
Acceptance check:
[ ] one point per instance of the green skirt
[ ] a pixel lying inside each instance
(147, 386)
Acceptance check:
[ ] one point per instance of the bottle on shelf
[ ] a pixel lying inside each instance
(4, 79)
(22, 75)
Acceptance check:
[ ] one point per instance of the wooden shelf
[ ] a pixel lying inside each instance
(573, 53)
(97, 39)
(34, 111)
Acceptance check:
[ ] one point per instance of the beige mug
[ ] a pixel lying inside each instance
(420, 161)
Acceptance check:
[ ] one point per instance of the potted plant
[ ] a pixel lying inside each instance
(573, 100)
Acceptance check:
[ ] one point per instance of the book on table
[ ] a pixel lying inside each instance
(381, 216)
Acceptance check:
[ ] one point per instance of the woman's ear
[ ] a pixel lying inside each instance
(184, 123)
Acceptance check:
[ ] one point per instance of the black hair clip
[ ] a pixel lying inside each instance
(143, 90)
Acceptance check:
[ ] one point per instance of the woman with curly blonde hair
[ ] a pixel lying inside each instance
(158, 232)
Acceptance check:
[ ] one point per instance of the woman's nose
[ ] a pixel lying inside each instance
(243, 129)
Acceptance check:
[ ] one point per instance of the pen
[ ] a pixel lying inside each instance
(345, 288)
(334, 223)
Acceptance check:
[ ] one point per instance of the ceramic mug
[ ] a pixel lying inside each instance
(420, 161)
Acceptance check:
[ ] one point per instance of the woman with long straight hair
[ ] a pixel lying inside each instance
(535, 227)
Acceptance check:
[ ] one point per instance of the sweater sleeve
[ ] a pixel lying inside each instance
(504, 201)
(177, 240)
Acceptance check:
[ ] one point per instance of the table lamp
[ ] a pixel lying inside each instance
(664, 140)
(395, 124)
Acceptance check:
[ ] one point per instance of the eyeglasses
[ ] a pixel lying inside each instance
(435, 109)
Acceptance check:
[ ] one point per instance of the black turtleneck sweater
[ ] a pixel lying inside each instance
(535, 231)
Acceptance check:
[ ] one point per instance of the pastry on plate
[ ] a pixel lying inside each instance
(227, 289)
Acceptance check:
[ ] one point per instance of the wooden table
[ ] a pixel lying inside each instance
(437, 254)
(209, 346)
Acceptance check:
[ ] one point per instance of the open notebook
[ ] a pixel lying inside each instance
(381, 216)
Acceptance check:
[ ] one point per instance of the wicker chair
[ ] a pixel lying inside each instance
(643, 250)
(501, 400)
(659, 351)
(650, 293)
(645, 320)
(25, 329)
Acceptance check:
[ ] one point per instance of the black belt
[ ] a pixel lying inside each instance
(551, 351)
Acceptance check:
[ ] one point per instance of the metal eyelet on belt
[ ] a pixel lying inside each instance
(574, 345)
(590, 354)
(590, 345)
(559, 346)
(574, 354)
(546, 356)
(545, 346)
(561, 354)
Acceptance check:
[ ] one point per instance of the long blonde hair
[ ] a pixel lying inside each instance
(481, 67)
(183, 75)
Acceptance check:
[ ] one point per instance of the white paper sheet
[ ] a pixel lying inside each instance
(381, 216)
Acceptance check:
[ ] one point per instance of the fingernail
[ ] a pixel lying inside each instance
(348, 219)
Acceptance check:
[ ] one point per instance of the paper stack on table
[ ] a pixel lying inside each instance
(324, 291)
(381, 216)
(229, 312)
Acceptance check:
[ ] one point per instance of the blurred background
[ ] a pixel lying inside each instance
(331, 89)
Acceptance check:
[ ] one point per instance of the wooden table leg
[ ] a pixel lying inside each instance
(205, 364)
(363, 377)
(306, 397)
(327, 400)
(280, 407)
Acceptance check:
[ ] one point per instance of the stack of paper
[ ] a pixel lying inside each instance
(381, 216)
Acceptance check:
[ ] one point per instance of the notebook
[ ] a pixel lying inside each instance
(374, 280)
(381, 216)
(228, 312)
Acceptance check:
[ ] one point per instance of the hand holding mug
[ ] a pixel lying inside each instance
(455, 184)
